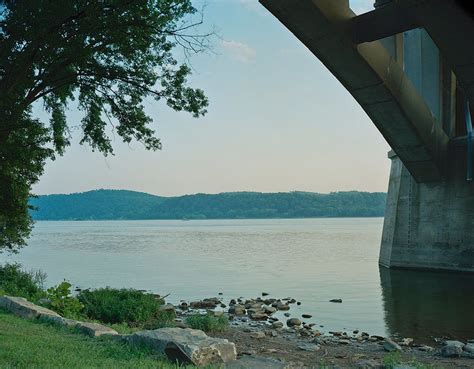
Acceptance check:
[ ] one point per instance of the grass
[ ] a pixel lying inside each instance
(31, 344)
(208, 323)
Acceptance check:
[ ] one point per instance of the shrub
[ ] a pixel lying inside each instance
(61, 301)
(208, 322)
(113, 306)
(15, 281)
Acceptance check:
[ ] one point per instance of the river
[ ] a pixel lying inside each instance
(311, 260)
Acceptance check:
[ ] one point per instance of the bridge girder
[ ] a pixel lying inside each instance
(373, 77)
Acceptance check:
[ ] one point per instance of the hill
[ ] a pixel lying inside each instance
(121, 204)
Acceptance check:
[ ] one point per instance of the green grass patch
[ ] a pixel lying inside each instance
(208, 322)
(31, 344)
(117, 306)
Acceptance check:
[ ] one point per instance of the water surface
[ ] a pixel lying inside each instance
(311, 260)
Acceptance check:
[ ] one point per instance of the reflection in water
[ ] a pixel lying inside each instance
(423, 304)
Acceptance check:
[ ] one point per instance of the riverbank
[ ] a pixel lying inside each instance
(258, 334)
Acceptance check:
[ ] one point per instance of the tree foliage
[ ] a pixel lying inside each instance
(120, 204)
(107, 55)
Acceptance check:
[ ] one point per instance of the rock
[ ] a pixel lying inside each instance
(406, 341)
(94, 329)
(232, 302)
(237, 310)
(269, 309)
(168, 308)
(258, 316)
(265, 293)
(344, 342)
(22, 307)
(184, 305)
(257, 335)
(220, 293)
(337, 301)
(287, 314)
(277, 325)
(309, 347)
(293, 322)
(377, 338)
(306, 333)
(391, 346)
(204, 304)
(469, 348)
(282, 306)
(298, 303)
(426, 348)
(452, 349)
(215, 313)
(187, 346)
(254, 362)
(306, 316)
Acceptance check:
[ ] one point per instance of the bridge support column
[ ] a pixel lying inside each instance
(429, 225)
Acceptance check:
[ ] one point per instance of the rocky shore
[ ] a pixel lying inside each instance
(264, 340)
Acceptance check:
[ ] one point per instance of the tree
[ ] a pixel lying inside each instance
(108, 55)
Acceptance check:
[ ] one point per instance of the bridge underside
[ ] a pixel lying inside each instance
(430, 207)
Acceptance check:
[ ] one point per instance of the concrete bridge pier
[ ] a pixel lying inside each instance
(430, 225)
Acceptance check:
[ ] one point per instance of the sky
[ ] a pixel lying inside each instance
(277, 121)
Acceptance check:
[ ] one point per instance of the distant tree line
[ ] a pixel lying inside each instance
(120, 204)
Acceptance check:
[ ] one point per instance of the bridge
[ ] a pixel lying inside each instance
(410, 66)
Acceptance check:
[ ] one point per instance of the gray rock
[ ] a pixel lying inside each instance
(391, 346)
(168, 308)
(282, 306)
(309, 347)
(426, 348)
(306, 316)
(406, 341)
(287, 314)
(187, 346)
(269, 309)
(277, 325)
(293, 322)
(344, 342)
(337, 301)
(22, 307)
(469, 348)
(237, 309)
(258, 316)
(452, 349)
(94, 329)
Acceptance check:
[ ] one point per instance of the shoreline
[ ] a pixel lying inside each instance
(291, 343)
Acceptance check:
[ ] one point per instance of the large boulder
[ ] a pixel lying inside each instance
(25, 309)
(187, 346)
(452, 349)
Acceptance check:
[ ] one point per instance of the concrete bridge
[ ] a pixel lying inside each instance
(410, 65)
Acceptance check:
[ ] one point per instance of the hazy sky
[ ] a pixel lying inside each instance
(277, 121)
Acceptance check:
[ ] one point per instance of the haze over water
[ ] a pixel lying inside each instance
(311, 260)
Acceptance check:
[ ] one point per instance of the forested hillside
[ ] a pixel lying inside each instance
(120, 204)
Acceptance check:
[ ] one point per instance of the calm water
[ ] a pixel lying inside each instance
(311, 260)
